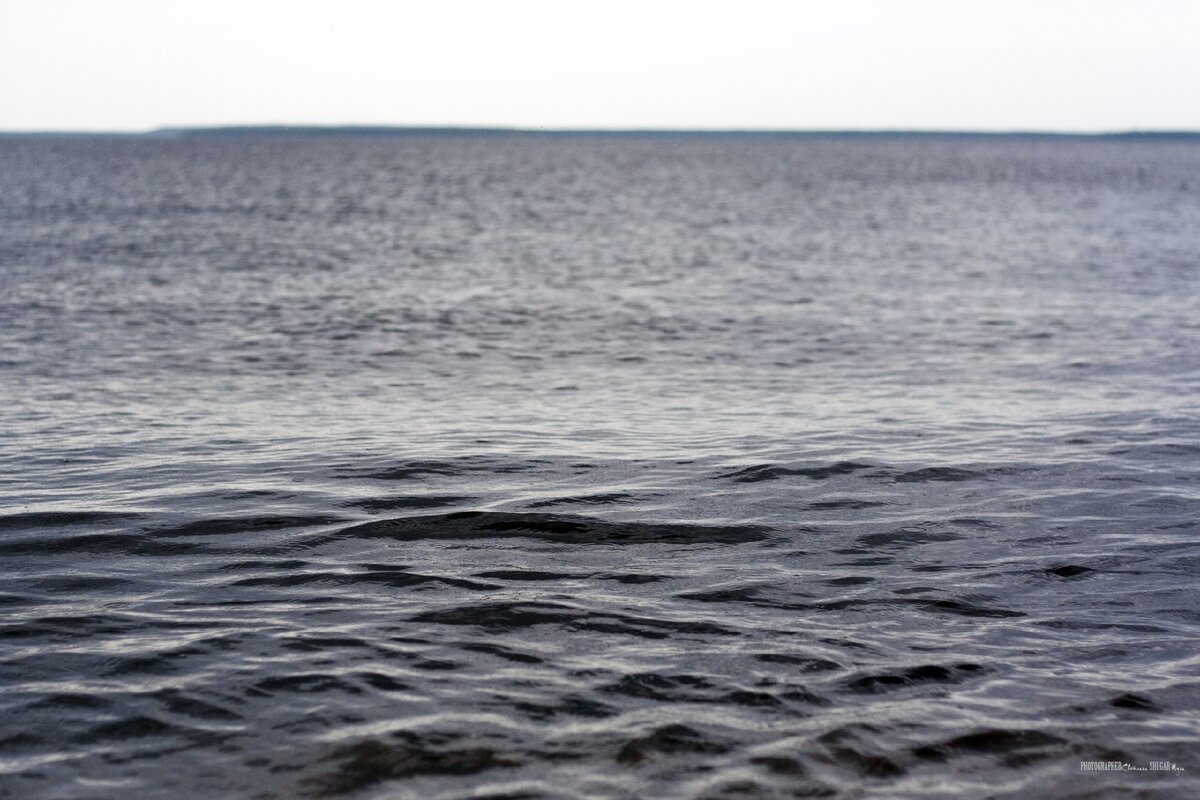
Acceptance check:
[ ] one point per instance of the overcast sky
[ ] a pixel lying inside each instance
(948, 64)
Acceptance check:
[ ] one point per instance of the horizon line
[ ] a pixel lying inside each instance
(289, 129)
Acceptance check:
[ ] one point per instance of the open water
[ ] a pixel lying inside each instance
(599, 467)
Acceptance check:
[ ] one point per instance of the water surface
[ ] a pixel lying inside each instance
(449, 467)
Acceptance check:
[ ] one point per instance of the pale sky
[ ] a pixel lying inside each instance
(947, 64)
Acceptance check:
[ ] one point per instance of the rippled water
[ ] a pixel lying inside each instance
(599, 467)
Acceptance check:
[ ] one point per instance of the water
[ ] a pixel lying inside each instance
(438, 467)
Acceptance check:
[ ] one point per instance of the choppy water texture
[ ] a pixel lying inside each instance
(598, 467)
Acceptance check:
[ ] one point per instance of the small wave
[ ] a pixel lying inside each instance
(1135, 702)
(634, 578)
(61, 519)
(527, 575)
(1070, 570)
(221, 526)
(101, 543)
(177, 702)
(906, 537)
(743, 594)
(964, 609)
(555, 528)
(424, 468)
(512, 616)
(506, 653)
(770, 472)
(137, 727)
(572, 705)
(854, 747)
(403, 472)
(585, 499)
(991, 741)
(304, 683)
(371, 762)
(670, 688)
(946, 474)
(668, 740)
(927, 673)
(849, 503)
(395, 578)
(804, 663)
(409, 501)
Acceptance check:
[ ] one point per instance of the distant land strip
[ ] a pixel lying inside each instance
(383, 131)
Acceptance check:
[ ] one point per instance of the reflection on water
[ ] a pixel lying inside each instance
(598, 467)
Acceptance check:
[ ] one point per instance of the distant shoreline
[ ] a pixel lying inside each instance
(400, 131)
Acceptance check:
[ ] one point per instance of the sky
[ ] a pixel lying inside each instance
(1056, 65)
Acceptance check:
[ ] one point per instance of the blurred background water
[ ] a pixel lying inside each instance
(527, 466)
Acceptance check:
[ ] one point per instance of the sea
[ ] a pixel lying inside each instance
(516, 465)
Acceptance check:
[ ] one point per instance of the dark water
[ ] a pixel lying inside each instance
(553, 467)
